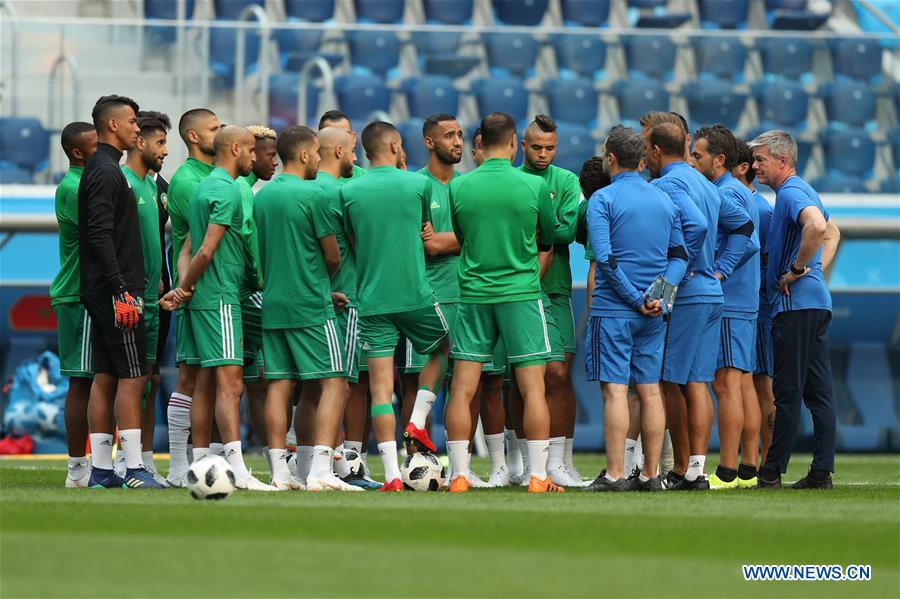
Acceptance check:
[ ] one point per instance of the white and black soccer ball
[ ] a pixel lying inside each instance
(210, 477)
(353, 460)
(422, 472)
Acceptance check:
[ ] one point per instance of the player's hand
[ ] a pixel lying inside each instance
(339, 300)
(719, 276)
(160, 289)
(427, 231)
(128, 310)
(784, 283)
(653, 308)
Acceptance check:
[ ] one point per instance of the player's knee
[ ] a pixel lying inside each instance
(556, 375)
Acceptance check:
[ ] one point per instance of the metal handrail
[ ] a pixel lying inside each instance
(305, 71)
(262, 18)
(13, 20)
(55, 122)
(882, 18)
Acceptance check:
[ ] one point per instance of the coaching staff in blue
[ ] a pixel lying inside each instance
(801, 242)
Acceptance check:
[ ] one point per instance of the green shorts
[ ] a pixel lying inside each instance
(185, 348)
(498, 364)
(348, 328)
(151, 322)
(218, 335)
(522, 325)
(304, 353)
(558, 309)
(412, 361)
(73, 325)
(425, 328)
(251, 317)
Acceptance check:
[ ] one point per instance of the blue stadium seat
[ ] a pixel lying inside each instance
(222, 44)
(379, 11)
(501, 94)
(650, 55)
(839, 184)
(781, 103)
(437, 54)
(416, 152)
(430, 94)
(12, 174)
(714, 101)
(24, 142)
(359, 96)
(284, 89)
(582, 55)
(448, 12)
(720, 57)
(585, 13)
(652, 14)
(316, 11)
(520, 12)
(572, 101)
(637, 97)
(511, 53)
(785, 57)
(575, 146)
(856, 58)
(786, 4)
(848, 151)
(723, 14)
(165, 10)
(848, 103)
(792, 15)
(231, 9)
(297, 42)
(374, 51)
(889, 185)
(434, 42)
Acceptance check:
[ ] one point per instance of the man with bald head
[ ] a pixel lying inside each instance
(212, 283)
(339, 120)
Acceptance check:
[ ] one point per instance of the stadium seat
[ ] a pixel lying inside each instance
(520, 12)
(316, 11)
(572, 100)
(786, 4)
(379, 11)
(652, 14)
(637, 97)
(448, 12)
(838, 184)
(374, 51)
(24, 142)
(585, 13)
(359, 96)
(297, 42)
(791, 58)
(501, 95)
(283, 94)
(848, 151)
(720, 57)
(582, 55)
(12, 174)
(856, 58)
(575, 146)
(437, 54)
(511, 53)
(222, 44)
(230, 10)
(781, 103)
(650, 55)
(714, 101)
(848, 103)
(430, 94)
(792, 15)
(165, 10)
(723, 14)
(416, 152)
(889, 185)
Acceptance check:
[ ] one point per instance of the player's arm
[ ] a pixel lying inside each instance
(184, 257)
(813, 227)
(331, 252)
(599, 230)
(591, 281)
(739, 243)
(324, 228)
(546, 221)
(830, 243)
(677, 264)
(693, 222)
(581, 234)
(348, 224)
(203, 257)
(440, 244)
(457, 231)
(544, 260)
(102, 189)
(567, 212)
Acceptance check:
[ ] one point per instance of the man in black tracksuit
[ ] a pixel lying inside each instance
(112, 290)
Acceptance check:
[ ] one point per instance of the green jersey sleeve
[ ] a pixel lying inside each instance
(426, 201)
(322, 223)
(567, 210)
(223, 205)
(546, 216)
(345, 210)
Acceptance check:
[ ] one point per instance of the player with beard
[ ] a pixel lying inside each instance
(339, 120)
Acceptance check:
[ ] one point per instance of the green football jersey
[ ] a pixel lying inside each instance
(383, 213)
(581, 235)
(496, 211)
(65, 286)
(442, 270)
(217, 201)
(251, 241)
(148, 218)
(344, 280)
(292, 215)
(565, 192)
(358, 172)
(181, 189)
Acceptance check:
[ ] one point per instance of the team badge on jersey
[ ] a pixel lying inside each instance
(552, 195)
(434, 204)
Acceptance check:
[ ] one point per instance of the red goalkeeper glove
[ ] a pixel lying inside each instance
(128, 310)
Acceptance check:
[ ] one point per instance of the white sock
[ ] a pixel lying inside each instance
(265, 450)
(556, 454)
(639, 453)
(568, 457)
(422, 407)
(178, 417)
(199, 452)
(78, 467)
(235, 456)
(608, 477)
(353, 446)
(642, 478)
(667, 456)
(388, 452)
(321, 462)
(629, 456)
(304, 461)
(278, 464)
(495, 450)
(523, 450)
(148, 461)
(512, 446)
(458, 452)
(538, 453)
(341, 467)
(130, 440)
(695, 467)
(217, 449)
(189, 454)
(101, 450)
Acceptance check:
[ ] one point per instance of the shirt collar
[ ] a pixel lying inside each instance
(669, 167)
(625, 175)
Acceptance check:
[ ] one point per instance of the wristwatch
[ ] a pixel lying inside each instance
(797, 271)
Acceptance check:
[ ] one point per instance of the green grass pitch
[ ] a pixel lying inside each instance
(57, 542)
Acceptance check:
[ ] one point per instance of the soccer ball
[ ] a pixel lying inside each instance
(210, 477)
(422, 472)
(354, 461)
(47, 415)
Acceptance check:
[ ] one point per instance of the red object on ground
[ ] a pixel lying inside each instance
(32, 313)
(23, 445)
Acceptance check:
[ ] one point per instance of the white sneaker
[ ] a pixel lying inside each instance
(156, 476)
(119, 466)
(292, 464)
(177, 479)
(78, 477)
(251, 483)
(330, 483)
(291, 484)
(476, 483)
(559, 476)
(576, 477)
(499, 477)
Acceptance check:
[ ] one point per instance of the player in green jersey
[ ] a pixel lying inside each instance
(339, 120)
(497, 212)
(79, 142)
(212, 286)
(393, 294)
(197, 128)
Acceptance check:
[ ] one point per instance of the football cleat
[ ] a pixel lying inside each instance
(291, 484)
(119, 464)
(251, 483)
(394, 486)
(460, 484)
(419, 437)
(698, 484)
(475, 481)
(357, 480)
(602, 484)
(101, 478)
(330, 483)
(140, 478)
(156, 476)
(560, 476)
(499, 477)
(747, 483)
(537, 485)
(671, 479)
(176, 480)
(808, 482)
(576, 477)
(717, 484)
(652, 485)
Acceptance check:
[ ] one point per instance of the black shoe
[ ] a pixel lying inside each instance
(671, 479)
(765, 483)
(602, 484)
(651, 486)
(808, 482)
(698, 484)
